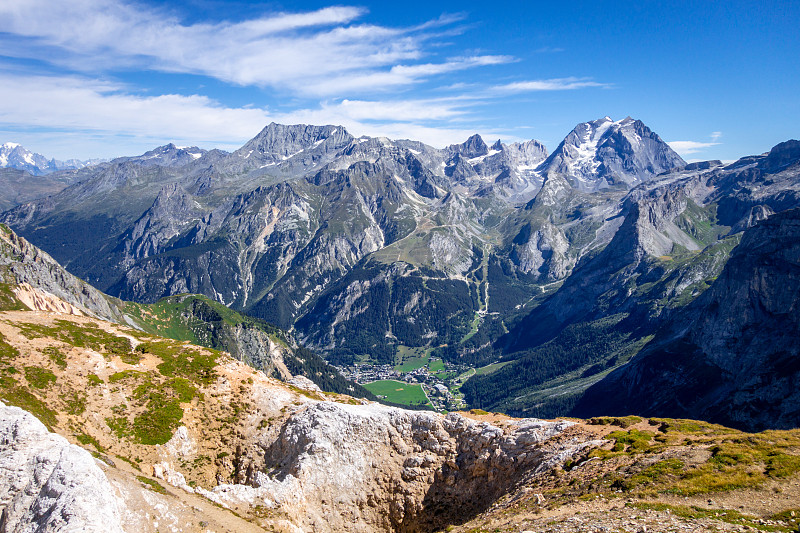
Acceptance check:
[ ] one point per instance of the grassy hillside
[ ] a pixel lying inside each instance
(662, 474)
(200, 320)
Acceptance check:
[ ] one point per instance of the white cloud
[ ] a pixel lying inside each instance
(321, 52)
(555, 84)
(116, 122)
(327, 54)
(69, 104)
(406, 110)
(716, 135)
(690, 147)
(396, 76)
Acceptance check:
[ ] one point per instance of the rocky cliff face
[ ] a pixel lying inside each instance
(732, 355)
(49, 485)
(375, 468)
(41, 277)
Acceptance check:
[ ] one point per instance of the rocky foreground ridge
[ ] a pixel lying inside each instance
(186, 438)
(209, 426)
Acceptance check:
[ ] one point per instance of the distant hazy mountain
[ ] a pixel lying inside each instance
(18, 187)
(13, 155)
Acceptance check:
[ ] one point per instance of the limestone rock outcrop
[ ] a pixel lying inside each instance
(339, 467)
(48, 485)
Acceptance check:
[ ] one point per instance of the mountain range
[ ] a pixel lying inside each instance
(548, 273)
(113, 418)
(609, 277)
(25, 176)
(13, 155)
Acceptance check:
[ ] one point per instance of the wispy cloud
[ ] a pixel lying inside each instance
(322, 52)
(554, 84)
(72, 103)
(693, 147)
(394, 110)
(124, 120)
(690, 147)
(396, 76)
(336, 68)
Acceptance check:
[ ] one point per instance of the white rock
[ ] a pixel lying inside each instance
(48, 485)
(302, 382)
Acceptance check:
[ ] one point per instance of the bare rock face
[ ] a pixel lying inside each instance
(48, 485)
(25, 264)
(545, 253)
(731, 356)
(337, 467)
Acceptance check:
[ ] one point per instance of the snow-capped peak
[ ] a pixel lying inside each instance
(14, 155)
(581, 145)
(603, 152)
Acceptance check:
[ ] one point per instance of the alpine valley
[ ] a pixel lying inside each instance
(186, 338)
(533, 277)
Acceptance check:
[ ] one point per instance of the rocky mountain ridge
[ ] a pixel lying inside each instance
(482, 256)
(276, 227)
(31, 279)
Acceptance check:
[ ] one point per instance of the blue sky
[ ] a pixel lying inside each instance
(101, 78)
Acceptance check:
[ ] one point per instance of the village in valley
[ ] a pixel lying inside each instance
(417, 380)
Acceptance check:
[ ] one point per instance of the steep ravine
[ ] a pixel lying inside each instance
(376, 468)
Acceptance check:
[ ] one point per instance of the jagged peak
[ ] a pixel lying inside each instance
(603, 152)
(171, 147)
(320, 131)
(472, 147)
(281, 141)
